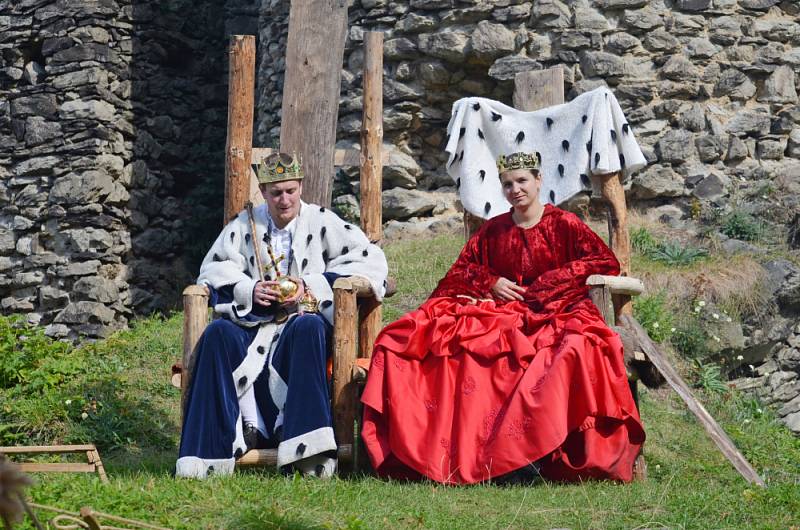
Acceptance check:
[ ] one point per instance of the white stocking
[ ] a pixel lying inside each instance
(250, 412)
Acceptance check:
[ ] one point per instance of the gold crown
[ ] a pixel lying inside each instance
(520, 160)
(278, 167)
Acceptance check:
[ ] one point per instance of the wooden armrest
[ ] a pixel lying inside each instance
(362, 287)
(617, 284)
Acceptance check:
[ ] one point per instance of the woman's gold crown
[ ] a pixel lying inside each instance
(530, 161)
(278, 167)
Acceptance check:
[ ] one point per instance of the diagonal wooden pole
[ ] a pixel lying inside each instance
(717, 434)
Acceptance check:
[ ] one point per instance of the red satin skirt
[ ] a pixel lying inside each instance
(461, 392)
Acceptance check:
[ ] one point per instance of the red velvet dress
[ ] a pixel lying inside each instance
(462, 390)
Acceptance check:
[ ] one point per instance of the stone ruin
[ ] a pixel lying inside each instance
(112, 119)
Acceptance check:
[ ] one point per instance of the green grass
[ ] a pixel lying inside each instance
(690, 486)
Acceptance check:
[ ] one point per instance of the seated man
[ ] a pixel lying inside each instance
(259, 377)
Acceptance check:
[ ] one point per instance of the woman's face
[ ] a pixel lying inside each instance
(521, 187)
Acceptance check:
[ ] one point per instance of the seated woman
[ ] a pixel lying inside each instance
(508, 364)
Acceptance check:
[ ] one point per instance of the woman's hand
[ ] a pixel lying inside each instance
(265, 293)
(505, 289)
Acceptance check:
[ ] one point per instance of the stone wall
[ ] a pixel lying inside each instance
(710, 86)
(112, 119)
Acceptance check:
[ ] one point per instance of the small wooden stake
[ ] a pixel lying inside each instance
(241, 89)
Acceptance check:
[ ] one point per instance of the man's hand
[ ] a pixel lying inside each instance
(265, 294)
(505, 289)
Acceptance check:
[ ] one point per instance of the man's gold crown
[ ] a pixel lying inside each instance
(278, 167)
(530, 161)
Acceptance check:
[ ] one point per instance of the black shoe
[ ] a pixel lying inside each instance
(253, 438)
(525, 475)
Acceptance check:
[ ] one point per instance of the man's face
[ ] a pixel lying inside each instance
(283, 200)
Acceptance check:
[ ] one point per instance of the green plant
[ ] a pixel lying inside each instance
(709, 378)
(653, 313)
(643, 241)
(739, 225)
(29, 357)
(676, 253)
(690, 339)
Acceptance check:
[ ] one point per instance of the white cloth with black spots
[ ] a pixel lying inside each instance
(322, 242)
(589, 135)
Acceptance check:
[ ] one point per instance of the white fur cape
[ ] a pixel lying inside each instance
(322, 242)
(589, 135)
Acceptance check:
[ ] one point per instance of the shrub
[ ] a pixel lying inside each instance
(690, 340)
(654, 315)
(742, 226)
(29, 357)
(54, 393)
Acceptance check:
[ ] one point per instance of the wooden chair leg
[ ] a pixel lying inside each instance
(640, 468)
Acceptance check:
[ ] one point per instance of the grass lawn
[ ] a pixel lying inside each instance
(122, 387)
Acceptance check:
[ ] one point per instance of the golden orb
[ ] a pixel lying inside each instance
(287, 288)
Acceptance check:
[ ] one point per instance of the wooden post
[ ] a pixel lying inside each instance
(614, 196)
(314, 55)
(344, 398)
(370, 310)
(195, 320)
(372, 137)
(241, 82)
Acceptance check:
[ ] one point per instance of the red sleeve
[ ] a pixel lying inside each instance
(583, 254)
(469, 275)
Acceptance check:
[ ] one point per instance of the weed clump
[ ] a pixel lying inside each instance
(667, 252)
(739, 225)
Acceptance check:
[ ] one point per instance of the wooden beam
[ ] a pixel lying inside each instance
(717, 434)
(269, 457)
(601, 298)
(358, 284)
(310, 110)
(614, 196)
(372, 138)
(40, 449)
(30, 467)
(241, 83)
(538, 89)
(341, 157)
